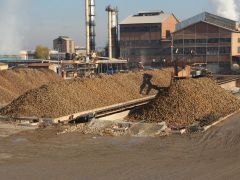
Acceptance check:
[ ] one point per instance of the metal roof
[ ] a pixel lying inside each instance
(146, 18)
(211, 19)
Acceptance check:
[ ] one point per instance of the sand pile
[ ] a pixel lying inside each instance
(14, 83)
(68, 97)
(188, 101)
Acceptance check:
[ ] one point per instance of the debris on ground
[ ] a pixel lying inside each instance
(188, 101)
(68, 97)
(16, 82)
(112, 128)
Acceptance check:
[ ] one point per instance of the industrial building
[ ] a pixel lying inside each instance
(207, 38)
(50, 66)
(146, 37)
(64, 44)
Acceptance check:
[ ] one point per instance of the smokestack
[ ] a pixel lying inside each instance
(87, 27)
(109, 10)
(92, 25)
(112, 30)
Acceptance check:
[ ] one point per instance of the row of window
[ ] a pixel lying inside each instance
(153, 28)
(205, 51)
(141, 43)
(145, 52)
(202, 41)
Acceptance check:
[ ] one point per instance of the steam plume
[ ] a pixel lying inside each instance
(11, 27)
(227, 8)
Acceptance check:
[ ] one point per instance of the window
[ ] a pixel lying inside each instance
(224, 40)
(189, 41)
(238, 49)
(201, 50)
(213, 40)
(168, 34)
(201, 41)
(155, 28)
(178, 41)
(212, 50)
(225, 50)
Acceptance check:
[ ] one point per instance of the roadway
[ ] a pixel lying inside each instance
(44, 155)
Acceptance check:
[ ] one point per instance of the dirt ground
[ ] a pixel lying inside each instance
(43, 155)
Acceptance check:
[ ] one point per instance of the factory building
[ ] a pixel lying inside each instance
(53, 67)
(146, 37)
(64, 44)
(207, 38)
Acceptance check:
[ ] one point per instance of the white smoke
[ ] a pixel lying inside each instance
(227, 8)
(11, 31)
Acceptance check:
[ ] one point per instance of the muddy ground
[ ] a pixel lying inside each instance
(43, 155)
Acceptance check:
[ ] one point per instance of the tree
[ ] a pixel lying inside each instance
(42, 52)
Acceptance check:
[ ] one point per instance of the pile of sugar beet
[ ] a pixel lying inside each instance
(63, 98)
(188, 101)
(179, 103)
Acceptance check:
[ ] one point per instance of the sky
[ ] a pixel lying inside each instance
(40, 21)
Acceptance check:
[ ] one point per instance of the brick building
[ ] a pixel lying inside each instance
(207, 38)
(146, 37)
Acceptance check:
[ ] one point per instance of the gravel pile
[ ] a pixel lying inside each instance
(14, 83)
(188, 101)
(68, 97)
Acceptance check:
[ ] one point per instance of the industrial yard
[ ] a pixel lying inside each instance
(145, 136)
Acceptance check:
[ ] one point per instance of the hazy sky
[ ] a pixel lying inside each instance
(40, 21)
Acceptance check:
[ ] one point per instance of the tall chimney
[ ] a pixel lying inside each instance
(109, 10)
(92, 25)
(112, 29)
(87, 27)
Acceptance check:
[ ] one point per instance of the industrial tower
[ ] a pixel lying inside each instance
(113, 44)
(90, 26)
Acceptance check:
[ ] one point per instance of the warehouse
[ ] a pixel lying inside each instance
(146, 37)
(207, 38)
